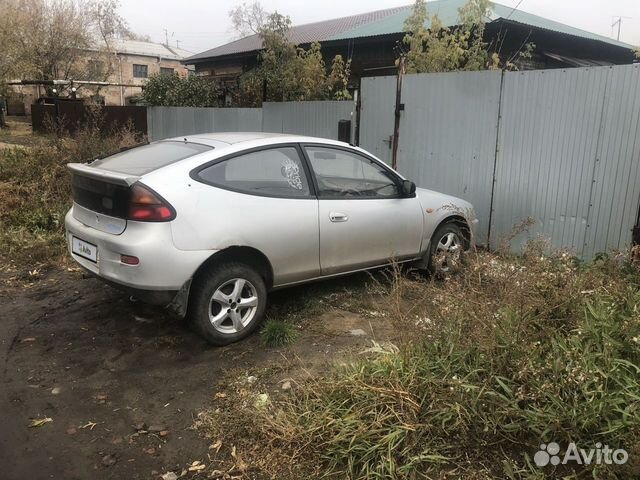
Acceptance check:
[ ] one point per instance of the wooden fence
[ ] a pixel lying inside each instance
(72, 116)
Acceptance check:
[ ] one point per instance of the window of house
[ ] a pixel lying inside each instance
(140, 71)
(166, 71)
(345, 174)
(95, 69)
(275, 172)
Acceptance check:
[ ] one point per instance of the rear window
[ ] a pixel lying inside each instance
(142, 160)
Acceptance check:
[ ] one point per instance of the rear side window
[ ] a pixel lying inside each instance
(274, 172)
(144, 159)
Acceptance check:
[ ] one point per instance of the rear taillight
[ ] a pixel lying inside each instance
(145, 205)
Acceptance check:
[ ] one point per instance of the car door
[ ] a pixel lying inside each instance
(261, 198)
(363, 218)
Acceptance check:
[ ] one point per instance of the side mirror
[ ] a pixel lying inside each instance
(408, 188)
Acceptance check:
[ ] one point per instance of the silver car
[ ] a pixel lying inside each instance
(208, 224)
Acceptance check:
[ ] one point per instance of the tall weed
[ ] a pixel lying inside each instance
(511, 353)
(35, 191)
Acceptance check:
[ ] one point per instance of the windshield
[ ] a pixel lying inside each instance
(144, 159)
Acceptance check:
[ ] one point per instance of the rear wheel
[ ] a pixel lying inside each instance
(228, 303)
(448, 244)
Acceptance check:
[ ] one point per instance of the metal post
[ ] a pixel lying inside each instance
(402, 65)
(495, 158)
(356, 99)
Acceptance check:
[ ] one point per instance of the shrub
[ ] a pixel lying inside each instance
(174, 90)
(277, 333)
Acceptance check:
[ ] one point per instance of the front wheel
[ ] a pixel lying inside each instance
(448, 243)
(228, 303)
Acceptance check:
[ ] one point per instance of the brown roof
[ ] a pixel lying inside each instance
(302, 34)
(391, 21)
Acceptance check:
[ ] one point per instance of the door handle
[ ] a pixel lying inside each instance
(338, 217)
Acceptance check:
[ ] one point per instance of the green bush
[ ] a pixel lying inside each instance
(176, 91)
(276, 333)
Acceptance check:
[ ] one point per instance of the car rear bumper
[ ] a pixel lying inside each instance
(161, 268)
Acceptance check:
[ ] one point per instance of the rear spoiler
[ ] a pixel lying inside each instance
(105, 175)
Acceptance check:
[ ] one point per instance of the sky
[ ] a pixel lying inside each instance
(198, 25)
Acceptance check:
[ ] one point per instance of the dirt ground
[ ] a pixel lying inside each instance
(19, 133)
(106, 370)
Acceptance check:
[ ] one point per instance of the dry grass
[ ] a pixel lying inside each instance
(35, 192)
(510, 353)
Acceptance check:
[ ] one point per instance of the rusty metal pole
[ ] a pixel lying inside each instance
(402, 65)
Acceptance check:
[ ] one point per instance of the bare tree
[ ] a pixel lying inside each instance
(248, 19)
(12, 61)
(59, 39)
(56, 34)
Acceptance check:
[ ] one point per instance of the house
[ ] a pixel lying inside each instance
(125, 64)
(132, 63)
(372, 41)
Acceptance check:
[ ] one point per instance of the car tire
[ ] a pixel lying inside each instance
(448, 244)
(227, 303)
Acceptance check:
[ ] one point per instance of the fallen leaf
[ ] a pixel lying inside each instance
(164, 433)
(90, 425)
(261, 400)
(38, 422)
(197, 466)
(216, 446)
(169, 476)
(220, 395)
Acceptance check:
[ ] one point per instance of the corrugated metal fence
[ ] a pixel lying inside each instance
(167, 122)
(560, 146)
(448, 149)
(319, 119)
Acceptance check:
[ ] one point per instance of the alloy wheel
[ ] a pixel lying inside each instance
(448, 251)
(233, 306)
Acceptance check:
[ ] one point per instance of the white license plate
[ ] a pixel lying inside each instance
(84, 249)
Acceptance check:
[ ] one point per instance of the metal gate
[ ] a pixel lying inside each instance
(377, 110)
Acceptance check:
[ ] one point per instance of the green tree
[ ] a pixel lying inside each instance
(288, 72)
(339, 78)
(435, 47)
(176, 91)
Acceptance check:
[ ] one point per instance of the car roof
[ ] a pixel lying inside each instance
(262, 138)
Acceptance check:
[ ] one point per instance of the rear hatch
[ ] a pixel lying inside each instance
(102, 190)
(101, 198)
